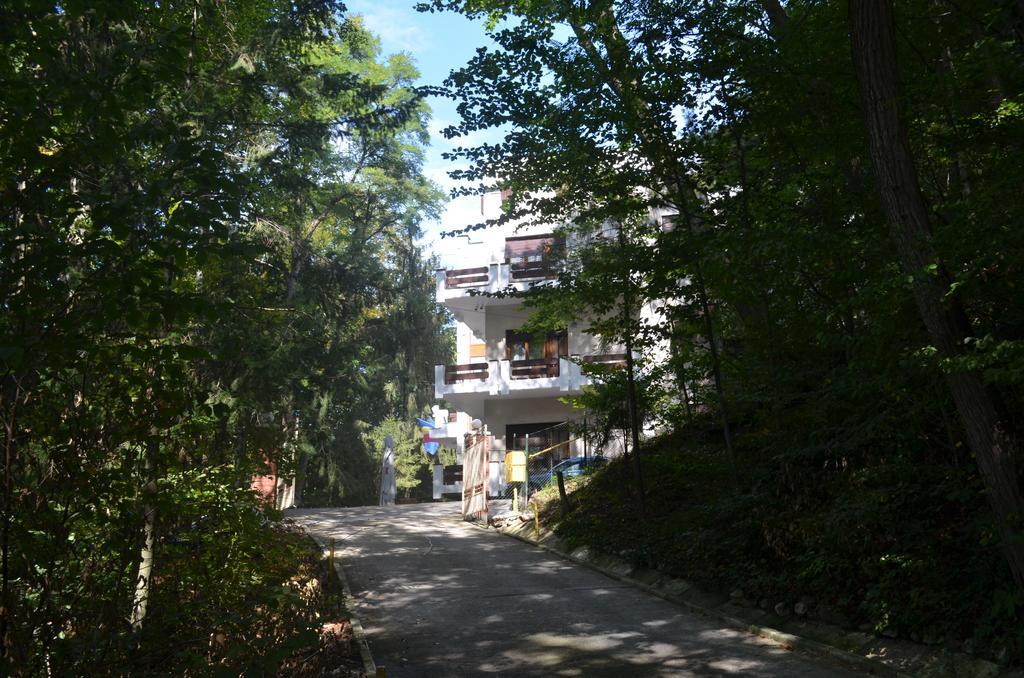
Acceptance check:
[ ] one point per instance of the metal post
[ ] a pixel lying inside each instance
(330, 572)
(527, 446)
(586, 445)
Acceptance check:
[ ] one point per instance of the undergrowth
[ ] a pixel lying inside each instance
(900, 546)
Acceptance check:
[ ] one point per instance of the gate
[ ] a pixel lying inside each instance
(476, 460)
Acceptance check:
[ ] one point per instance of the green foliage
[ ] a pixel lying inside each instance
(208, 218)
(742, 119)
(895, 545)
(227, 571)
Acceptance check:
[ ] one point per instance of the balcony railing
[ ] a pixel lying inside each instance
(524, 270)
(496, 378)
(466, 277)
(533, 369)
(473, 371)
(463, 283)
(606, 359)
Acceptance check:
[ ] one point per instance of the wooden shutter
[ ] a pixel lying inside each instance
(551, 345)
(556, 345)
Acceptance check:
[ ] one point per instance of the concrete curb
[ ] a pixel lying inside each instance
(781, 638)
(369, 667)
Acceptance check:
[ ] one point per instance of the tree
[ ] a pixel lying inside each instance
(795, 315)
(199, 207)
(873, 37)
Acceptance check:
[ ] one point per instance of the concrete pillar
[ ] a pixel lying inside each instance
(438, 481)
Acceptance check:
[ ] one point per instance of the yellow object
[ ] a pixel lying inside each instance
(515, 467)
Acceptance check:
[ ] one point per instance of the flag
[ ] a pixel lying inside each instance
(431, 448)
(425, 422)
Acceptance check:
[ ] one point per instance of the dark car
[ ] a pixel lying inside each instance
(571, 467)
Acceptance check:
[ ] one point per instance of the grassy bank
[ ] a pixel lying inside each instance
(902, 547)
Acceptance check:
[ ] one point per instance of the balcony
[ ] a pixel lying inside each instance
(459, 278)
(537, 368)
(517, 378)
(468, 284)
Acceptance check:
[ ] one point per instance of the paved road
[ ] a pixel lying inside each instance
(441, 598)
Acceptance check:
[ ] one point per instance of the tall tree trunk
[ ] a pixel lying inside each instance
(655, 142)
(289, 494)
(777, 17)
(709, 330)
(144, 576)
(634, 415)
(873, 38)
(716, 372)
(681, 375)
(6, 610)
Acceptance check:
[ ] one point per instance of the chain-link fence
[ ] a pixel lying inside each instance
(543, 453)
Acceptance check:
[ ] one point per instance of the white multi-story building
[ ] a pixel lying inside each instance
(507, 379)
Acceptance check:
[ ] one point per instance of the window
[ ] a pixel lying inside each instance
(523, 346)
(668, 223)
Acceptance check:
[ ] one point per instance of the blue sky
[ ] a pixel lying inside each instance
(438, 43)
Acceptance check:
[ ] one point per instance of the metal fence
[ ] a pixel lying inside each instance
(544, 450)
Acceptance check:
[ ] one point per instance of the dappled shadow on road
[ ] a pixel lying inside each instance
(440, 598)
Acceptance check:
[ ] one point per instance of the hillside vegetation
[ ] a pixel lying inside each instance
(904, 547)
(801, 221)
(209, 264)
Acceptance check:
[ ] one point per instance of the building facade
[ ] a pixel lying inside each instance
(504, 378)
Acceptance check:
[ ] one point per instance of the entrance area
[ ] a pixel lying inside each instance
(542, 436)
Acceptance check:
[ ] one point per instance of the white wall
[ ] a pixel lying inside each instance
(581, 343)
(470, 328)
(499, 320)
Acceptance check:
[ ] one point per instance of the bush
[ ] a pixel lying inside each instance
(224, 593)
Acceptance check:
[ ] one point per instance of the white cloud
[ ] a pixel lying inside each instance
(438, 173)
(393, 27)
(436, 128)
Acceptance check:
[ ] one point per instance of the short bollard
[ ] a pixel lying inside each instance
(330, 571)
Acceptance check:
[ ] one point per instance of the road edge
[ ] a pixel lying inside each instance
(369, 667)
(780, 638)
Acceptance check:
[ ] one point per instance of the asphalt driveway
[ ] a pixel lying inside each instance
(438, 597)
